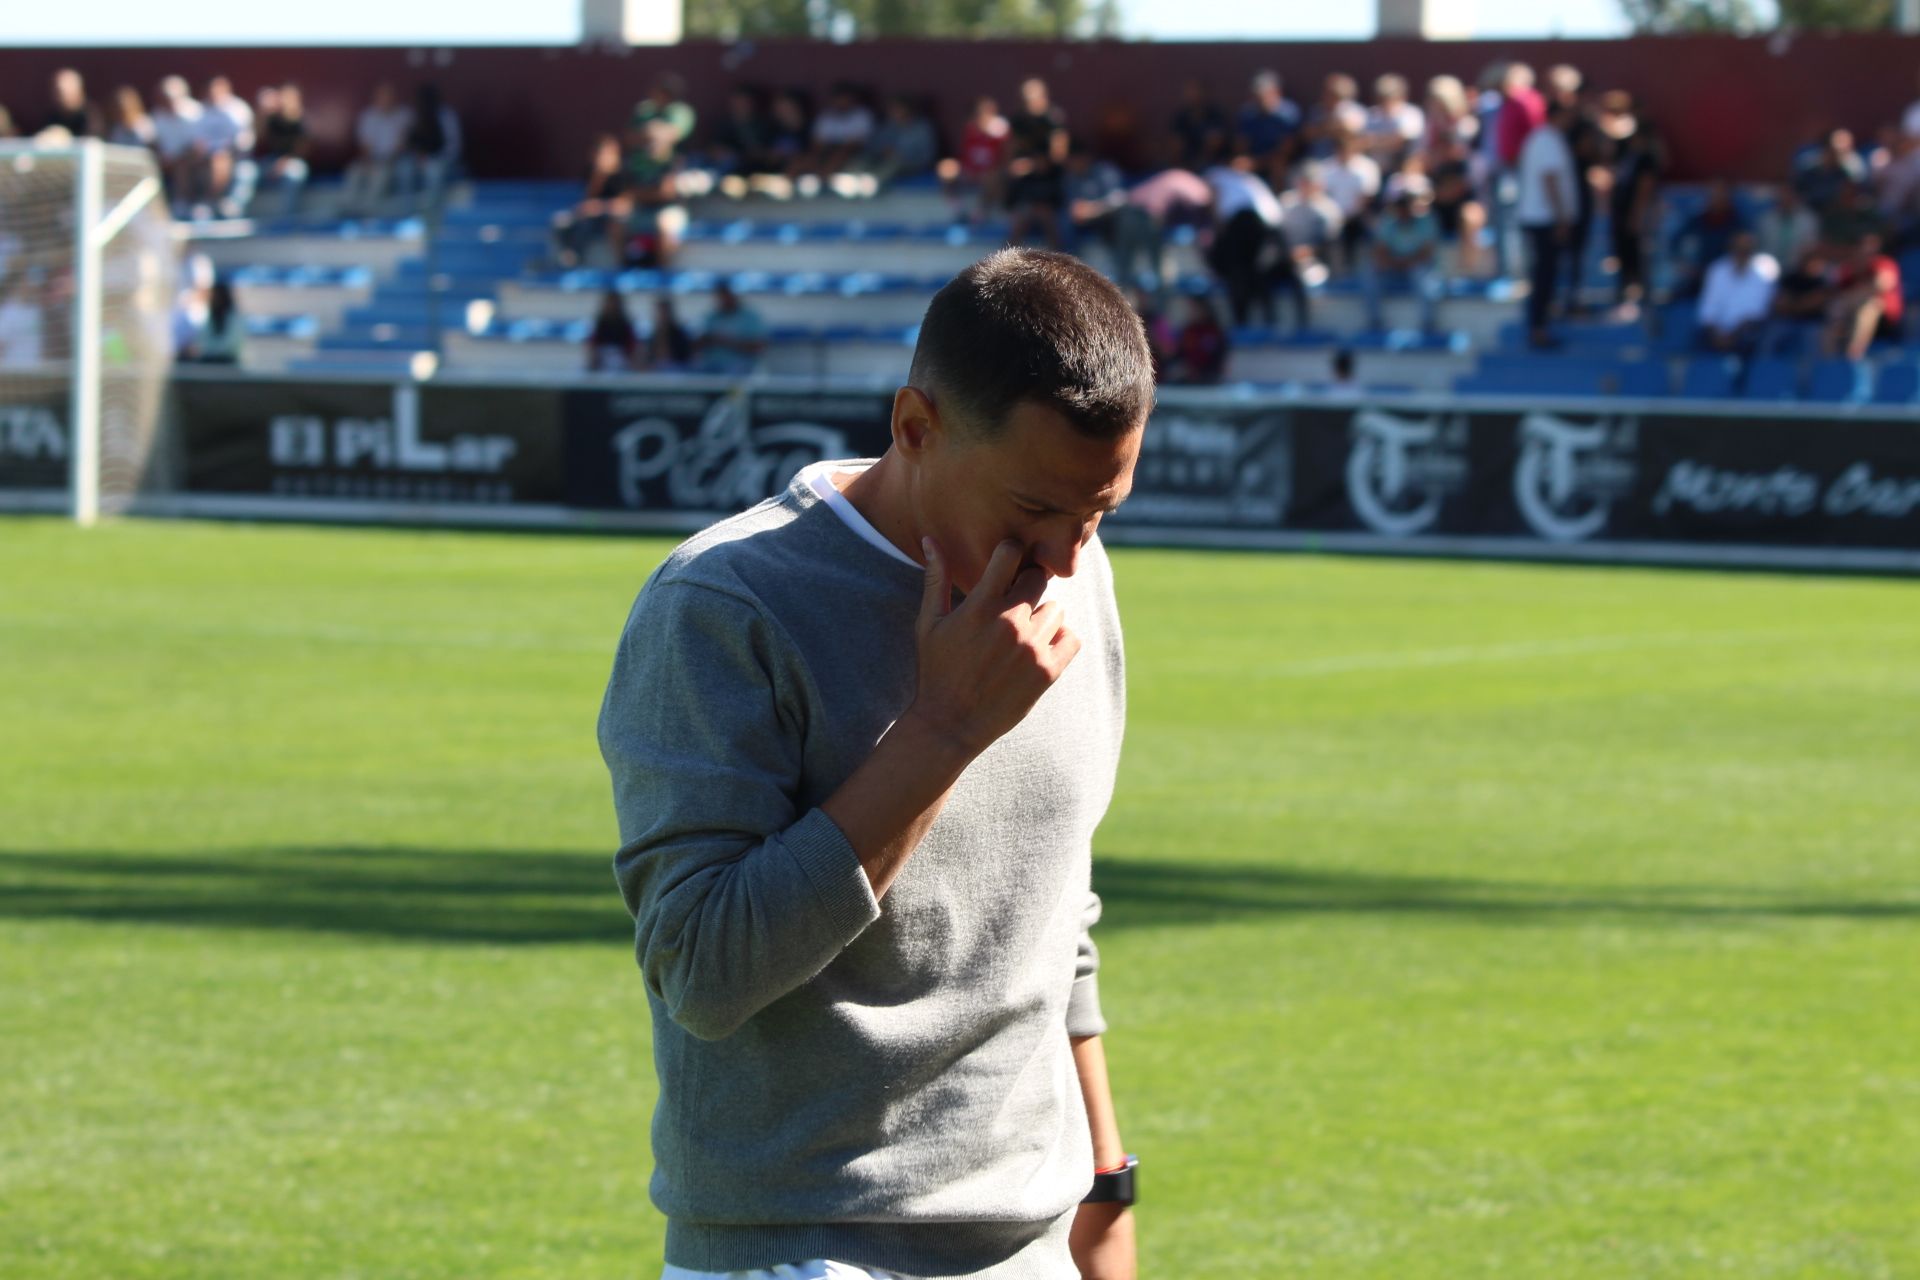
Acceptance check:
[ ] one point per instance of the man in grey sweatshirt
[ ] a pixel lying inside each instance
(856, 820)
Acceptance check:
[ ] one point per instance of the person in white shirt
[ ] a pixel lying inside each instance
(1737, 296)
(1394, 124)
(840, 132)
(1545, 211)
(1247, 253)
(1353, 180)
(380, 135)
(22, 324)
(223, 133)
(1311, 223)
(176, 128)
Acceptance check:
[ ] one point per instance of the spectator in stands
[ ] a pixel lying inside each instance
(280, 152)
(599, 217)
(1099, 211)
(1394, 125)
(1343, 385)
(841, 132)
(1737, 297)
(733, 337)
(1802, 297)
(1160, 335)
(380, 135)
(7, 128)
(1451, 126)
(1591, 151)
(129, 125)
(742, 142)
(221, 333)
(1867, 306)
(1822, 172)
(1705, 238)
(905, 145)
(1404, 256)
(1201, 127)
(613, 345)
(1899, 187)
(666, 101)
(1036, 159)
(669, 347)
(1519, 112)
(70, 109)
(1633, 202)
(1268, 125)
(979, 170)
(1787, 227)
(1353, 181)
(226, 132)
(1460, 217)
(22, 319)
(191, 303)
(1170, 198)
(790, 132)
(658, 218)
(1248, 252)
(1200, 352)
(1910, 120)
(1311, 222)
(1545, 211)
(432, 150)
(1854, 213)
(1338, 114)
(176, 131)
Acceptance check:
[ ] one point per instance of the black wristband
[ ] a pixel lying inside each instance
(1115, 1186)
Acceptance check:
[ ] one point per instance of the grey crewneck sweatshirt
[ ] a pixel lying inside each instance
(887, 1082)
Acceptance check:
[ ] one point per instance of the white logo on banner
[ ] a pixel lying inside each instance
(27, 431)
(724, 465)
(1785, 491)
(1569, 474)
(1400, 469)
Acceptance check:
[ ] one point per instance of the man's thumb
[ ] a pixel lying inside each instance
(938, 598)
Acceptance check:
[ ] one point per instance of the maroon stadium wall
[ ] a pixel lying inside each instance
(1731, 107)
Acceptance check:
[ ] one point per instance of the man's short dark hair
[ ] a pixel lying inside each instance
(1028, 325)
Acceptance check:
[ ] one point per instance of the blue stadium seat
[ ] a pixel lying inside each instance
(1840, 382)
(1644, 379)
(1771, 379)
(1898, 383)
(1708, 378)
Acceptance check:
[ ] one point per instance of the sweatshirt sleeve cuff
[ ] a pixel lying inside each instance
(1083, 1008)
(839, 882)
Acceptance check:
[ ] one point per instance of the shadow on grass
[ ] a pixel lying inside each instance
(442, 895)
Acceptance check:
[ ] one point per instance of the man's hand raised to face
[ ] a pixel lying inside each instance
(984, 664)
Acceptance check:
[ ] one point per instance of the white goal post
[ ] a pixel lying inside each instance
(89, 265)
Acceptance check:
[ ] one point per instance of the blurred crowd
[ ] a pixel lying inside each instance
(1511, 177)
(223, 156)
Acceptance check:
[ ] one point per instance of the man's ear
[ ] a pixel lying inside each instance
(916, 422)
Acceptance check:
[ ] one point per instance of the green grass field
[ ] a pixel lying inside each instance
(1462, 920)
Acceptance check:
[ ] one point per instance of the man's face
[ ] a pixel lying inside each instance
(1039, 481)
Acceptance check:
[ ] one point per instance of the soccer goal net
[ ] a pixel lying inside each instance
(88, 272)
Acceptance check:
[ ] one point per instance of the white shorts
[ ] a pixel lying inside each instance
(817, 1269)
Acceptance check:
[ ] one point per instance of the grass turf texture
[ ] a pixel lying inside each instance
(1462, 920)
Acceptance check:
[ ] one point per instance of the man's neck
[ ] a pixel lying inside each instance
(879, 494)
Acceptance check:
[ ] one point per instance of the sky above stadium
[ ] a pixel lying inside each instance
(197, 22)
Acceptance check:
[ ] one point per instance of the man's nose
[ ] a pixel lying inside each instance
(1060, 556)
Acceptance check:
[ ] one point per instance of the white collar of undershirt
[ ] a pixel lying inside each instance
(819, 478)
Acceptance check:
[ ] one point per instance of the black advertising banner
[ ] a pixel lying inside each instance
(1846, 483)
(677, 449)
(33, 433)
(1208, 463)
(1215, 468)
(839, 424)
(369, 441)
(1567, 476)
